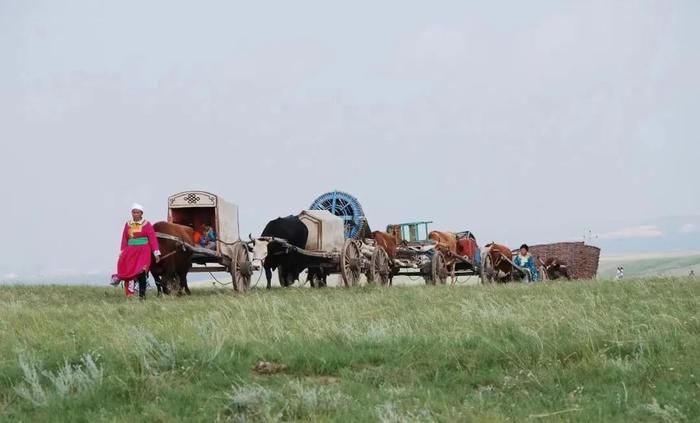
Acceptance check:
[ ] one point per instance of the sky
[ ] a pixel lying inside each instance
(521, 121)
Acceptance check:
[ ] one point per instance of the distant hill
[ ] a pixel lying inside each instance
(650, 265)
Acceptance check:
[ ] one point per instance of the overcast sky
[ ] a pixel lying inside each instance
(521, 121)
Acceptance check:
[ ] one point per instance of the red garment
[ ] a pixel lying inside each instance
(136, 259)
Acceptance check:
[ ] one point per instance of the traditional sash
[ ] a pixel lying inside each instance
(138, 241)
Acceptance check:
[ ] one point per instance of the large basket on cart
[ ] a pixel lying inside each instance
(582, 260)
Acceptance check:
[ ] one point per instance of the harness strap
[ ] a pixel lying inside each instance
(164, 256)
(170, 237)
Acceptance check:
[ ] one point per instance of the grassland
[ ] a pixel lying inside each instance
(586, 351)
(651, 265)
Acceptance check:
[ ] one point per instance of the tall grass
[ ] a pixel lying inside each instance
(584, 351)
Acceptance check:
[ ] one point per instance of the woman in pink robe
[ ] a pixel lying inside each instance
(138, 243)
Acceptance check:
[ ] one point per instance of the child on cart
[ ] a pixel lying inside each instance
(208, 240)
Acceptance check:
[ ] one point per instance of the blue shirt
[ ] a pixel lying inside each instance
(208, 237)
(529, 263)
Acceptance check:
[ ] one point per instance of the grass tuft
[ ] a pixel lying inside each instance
(68, 380)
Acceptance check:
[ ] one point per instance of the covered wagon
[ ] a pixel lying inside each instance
(228, 254)
(326, 251)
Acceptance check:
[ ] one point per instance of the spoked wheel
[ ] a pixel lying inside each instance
(438, 268)
(488, 273)
(350, 263)
(379, 268)
(241, 268)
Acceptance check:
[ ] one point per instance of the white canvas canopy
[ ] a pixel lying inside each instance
(326, 230)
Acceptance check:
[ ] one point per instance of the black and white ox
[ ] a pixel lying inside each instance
(270, 250)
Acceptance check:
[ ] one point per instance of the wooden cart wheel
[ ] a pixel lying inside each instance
(487, 270)
(350, 263)
(427, 271)
(438, 268)
(241, 268)
(379, 268)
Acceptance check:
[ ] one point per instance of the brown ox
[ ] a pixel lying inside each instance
(555, 269)
(388, 242)
(446, 243)
(171, 271)
(498, 254)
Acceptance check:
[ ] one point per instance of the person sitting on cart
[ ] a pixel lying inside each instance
(208, 238)
(525, 260)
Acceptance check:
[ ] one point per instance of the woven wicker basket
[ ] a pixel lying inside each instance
(581, 259)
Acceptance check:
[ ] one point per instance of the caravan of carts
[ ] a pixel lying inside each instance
(338, 242)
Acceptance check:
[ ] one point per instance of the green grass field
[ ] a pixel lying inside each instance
(582, 351)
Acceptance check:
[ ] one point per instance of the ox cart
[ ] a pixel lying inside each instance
(228, 254)
(497, 265)
(416, 255)
(327, 251)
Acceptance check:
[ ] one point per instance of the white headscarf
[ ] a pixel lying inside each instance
(137, 206)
